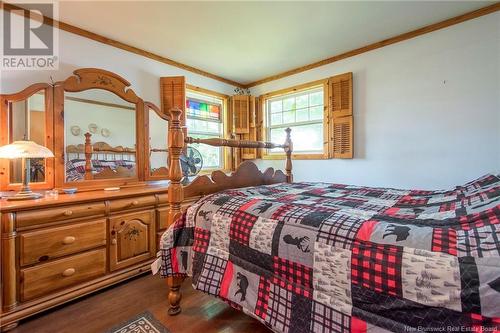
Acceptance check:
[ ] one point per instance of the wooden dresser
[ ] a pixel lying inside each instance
(54, 250)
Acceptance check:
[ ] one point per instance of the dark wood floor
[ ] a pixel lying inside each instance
(97, 313)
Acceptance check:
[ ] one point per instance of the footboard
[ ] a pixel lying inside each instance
(246, 174)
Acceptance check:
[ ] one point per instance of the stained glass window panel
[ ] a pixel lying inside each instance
(205, 110)
(204, 114)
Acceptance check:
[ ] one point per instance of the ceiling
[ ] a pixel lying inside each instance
(248, 41)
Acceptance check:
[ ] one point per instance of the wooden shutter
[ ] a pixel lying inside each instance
(173, 94)
(241, 107)
(251, 111)
(250, 153)
(342, 137)
(341, 116)
(259, 123)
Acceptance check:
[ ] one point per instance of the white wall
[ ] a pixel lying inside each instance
(427, 110)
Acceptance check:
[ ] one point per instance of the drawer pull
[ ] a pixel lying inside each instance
(68, 272)
(135, 203)
(68, 213)
(69, 240)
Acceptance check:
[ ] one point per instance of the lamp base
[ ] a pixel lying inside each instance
(25, 196)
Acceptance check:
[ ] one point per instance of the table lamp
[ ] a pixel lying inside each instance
(25, 150)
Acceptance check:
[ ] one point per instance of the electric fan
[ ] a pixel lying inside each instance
(191, 163)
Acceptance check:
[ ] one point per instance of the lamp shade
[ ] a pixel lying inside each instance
(24, 149)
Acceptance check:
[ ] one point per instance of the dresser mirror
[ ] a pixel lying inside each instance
(106, 123)
(25, 117)
(101, 133)
(101, 122)
(158, 153)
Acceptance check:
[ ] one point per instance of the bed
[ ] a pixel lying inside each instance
(318, 257)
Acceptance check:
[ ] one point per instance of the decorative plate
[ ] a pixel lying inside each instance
(105, 132)
(93, 128)
(75, 130)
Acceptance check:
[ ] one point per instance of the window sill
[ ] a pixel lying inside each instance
(296, 157)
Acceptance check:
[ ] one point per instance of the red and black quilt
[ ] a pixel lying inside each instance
(317, 257)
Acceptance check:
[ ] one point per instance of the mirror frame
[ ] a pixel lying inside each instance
(6, 99)
(94, 78)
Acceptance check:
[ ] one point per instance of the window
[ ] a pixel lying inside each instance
(303, 112)
(320, 115)
(205, 119)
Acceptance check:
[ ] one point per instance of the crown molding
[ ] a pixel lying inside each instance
(370, 47)
(393, 40)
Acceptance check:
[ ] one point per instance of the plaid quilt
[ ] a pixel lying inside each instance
(317, 257)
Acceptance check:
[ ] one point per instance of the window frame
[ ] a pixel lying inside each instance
(226, 159)
(263, 100)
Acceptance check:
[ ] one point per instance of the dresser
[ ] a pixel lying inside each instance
(54, 250)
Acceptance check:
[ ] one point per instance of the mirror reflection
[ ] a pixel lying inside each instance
(100, 136)
(27, 122)
(158, 153)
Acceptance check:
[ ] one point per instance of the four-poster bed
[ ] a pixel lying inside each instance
(247, 174)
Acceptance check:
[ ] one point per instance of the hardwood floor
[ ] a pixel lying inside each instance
(99, 312)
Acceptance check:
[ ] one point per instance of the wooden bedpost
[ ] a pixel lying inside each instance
(288, 152)
(88, 156)
(175, 196)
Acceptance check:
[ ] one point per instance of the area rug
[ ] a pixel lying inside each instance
(142, 323)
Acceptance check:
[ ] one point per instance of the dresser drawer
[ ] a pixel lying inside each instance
(45, 278)
(38, 216)
(41, 245)
(130, 203)
(162, 198)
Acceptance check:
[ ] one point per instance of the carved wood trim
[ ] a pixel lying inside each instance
(95, 78)
(26, 93)
(247, 174)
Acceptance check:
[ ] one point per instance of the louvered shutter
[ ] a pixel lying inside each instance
(241, 107)
(342, 137)
(250, 153)
(258, 123)
(341, 116)
(173, 94)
